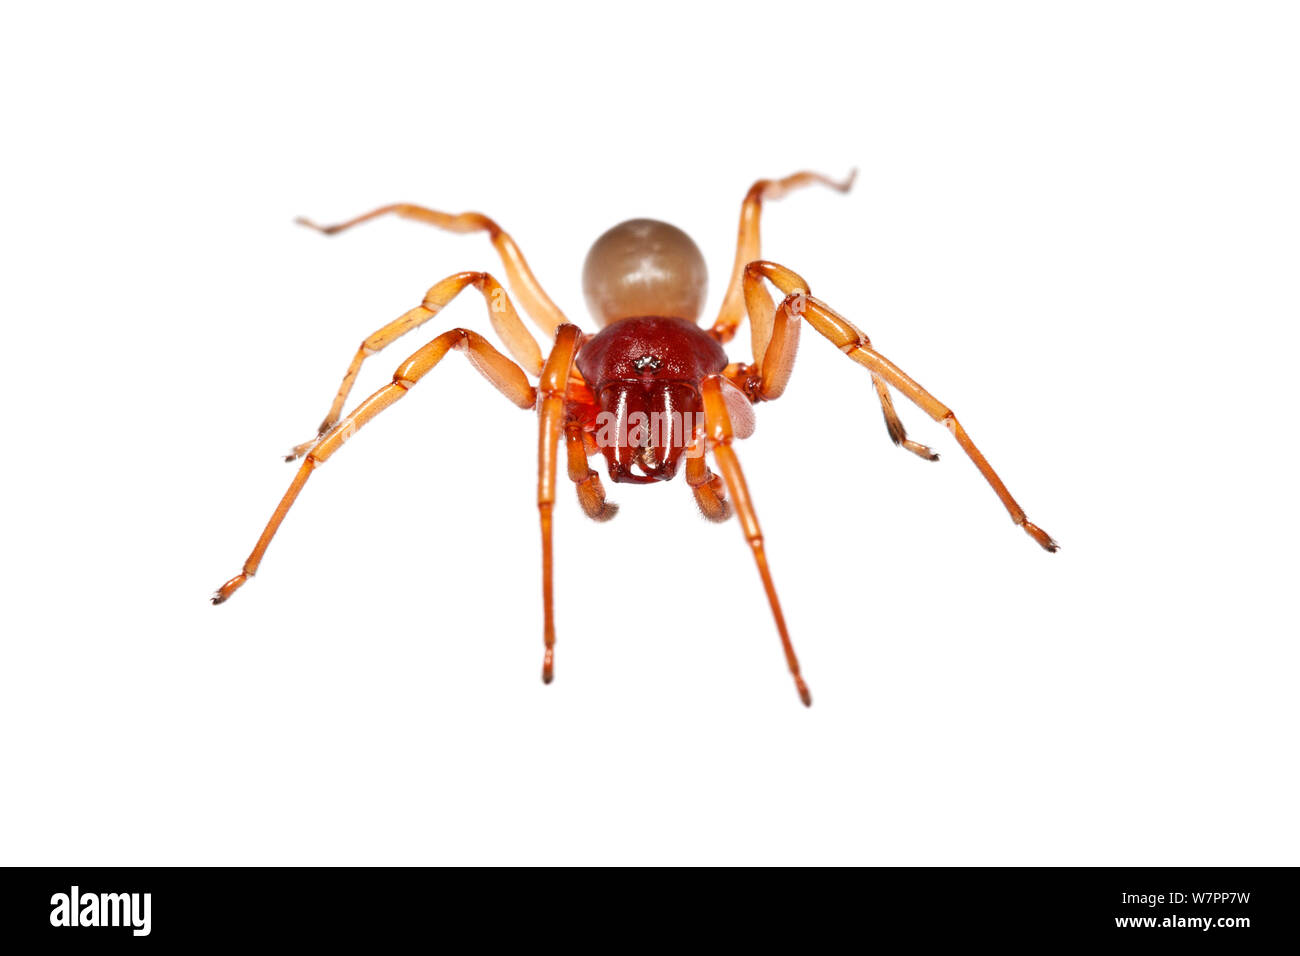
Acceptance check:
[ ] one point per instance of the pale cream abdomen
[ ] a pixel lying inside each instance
(644, 267)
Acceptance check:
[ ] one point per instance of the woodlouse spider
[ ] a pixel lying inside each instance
(651, 390)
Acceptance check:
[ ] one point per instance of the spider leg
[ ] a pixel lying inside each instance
(850, 340)
(894, 424)
(508, 378)
(744, 296)
(523, 283)
(747, 241)
(709, 489)
(776, 338)
(720, 432)
(552, 390)
(591, 493)
(505, 321)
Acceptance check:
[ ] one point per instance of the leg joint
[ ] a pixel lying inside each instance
(706, 477)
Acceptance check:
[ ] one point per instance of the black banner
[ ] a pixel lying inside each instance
(135, 907)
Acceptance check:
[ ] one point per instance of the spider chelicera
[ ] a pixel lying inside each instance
(651, 391)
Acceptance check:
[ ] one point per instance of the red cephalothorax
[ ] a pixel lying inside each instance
(645, 374)
(650, 390)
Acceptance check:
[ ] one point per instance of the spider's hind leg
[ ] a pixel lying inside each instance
(523, 284)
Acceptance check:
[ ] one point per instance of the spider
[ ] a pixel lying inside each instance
(653, 391)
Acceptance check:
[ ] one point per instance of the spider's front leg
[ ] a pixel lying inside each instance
(720, 399)
(777, 361)
(552, 391)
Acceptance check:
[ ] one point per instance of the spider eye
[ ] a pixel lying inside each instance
(648, 362)
(644, 267)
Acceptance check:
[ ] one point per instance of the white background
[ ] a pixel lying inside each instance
(1075, 224)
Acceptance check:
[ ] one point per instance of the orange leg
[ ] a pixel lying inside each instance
(894, 424)
(776, 338)
(710, 491)
(508, 378)
(551, 390)
(501, 313)
(747, 241)
(523, 283)
(720, 433)
(850, 340)
(591, 493)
